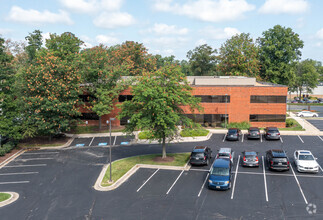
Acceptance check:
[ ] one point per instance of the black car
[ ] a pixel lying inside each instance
(233, 134)
(250, 159)
(277, 160)
(200, 155)
(253, 133)
(272, 133)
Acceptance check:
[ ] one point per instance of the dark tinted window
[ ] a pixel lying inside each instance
(89, 116)
(267, 99)
(216, 119)
(232, 131)
(214, 98)
(87, 98)
(197, 154)
(123, 98)
(220, 171)
(267, 118)
(280, 159)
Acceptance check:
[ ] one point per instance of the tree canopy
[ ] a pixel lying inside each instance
(202, 60)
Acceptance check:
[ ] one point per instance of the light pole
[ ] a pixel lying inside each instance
(109, 122)
(225, 115)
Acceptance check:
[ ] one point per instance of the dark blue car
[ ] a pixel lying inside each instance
(220, 175)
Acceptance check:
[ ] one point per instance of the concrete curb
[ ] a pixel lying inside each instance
(13, 197)
(126, 176)
(8, 160)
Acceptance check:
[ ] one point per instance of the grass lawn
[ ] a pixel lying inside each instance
(120, 167)
(194, 132)
(4, 196)
(294, 125)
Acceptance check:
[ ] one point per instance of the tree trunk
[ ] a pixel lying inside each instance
(100, 124)
(164, 148)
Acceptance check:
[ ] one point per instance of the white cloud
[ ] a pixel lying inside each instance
(200, 42)
(90, 6)
(300, 23)
(107, 39)
(35, 17)
(284, 7)
(218, 33)
(113, 20)
(45, 36)
(319, 34)
(5, 31)
(207, 10)
(164, 29)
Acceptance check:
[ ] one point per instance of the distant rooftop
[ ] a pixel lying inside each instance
(226, 81)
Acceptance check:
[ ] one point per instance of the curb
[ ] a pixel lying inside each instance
(97, 186)
(8, 160)
(13, 197)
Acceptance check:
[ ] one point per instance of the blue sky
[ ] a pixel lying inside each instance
(165, 27)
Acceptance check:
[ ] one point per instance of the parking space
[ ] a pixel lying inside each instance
(124, 140)
(81, 142)
(101, 141)
(317, 123)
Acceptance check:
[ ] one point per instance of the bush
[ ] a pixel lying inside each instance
(241, 125)
(145, 135)
(194, 132)
(290, 122)
(6, 148)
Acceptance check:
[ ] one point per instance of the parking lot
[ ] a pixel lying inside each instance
(58, 184)
(317, 123)
(101, 141)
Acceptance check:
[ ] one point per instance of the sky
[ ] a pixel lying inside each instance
(165, 27)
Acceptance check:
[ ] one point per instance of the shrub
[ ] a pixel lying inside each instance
(194, 132)
(241, 125)
(145, 135)
(6, 148)
(290, 122)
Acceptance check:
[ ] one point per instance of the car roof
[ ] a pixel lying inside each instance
(253, 128)
(278, 153)
(225, 150)
(272, 128)
(221, 162)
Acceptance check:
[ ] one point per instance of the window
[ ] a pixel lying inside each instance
(124, 120)
(215, 119)
(267, 118)
(267, 99)
(123, 98)
(87, 98)
(214, 98)
(89, 116)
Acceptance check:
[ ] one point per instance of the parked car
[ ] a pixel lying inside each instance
(225, 153)
(272, 133)
(294, 101)
(220, 175)
(250, 159)
(305, 161)
(277, 160)
(233, 134)
(200, 155)
(307, 114)
(253, 133)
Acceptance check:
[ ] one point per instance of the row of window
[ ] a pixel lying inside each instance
(267, 118)
(212, 119)
(267, 99)
(214, 98)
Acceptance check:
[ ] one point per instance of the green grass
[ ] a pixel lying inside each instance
(194, 132)
(144, 135)
(93, 129)
(292, 125)
(241, 125)
(305, 104)
(121, 167)
(4, 196)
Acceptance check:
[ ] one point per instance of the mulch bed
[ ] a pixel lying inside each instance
(44, 141)
(163, 160)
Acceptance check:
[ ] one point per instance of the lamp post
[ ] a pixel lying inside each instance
(110, 122)
(225, 115)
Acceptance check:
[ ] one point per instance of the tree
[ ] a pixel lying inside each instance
(9, 110)
(202, 60)
(306, 76)
(238, 56)
(156, 106)
(279, 49)
(35, 42)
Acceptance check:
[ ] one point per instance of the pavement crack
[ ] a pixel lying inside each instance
(89, 216)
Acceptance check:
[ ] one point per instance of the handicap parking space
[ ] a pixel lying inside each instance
(102, 141)
(124, 140)
(81, 142)
(317, 123)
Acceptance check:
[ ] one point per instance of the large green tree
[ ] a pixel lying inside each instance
(156, 106)
(307, 76)
(34, 44)
(202, 60)
(279, 50)
(238, 56)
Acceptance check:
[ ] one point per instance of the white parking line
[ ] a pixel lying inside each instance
(41, 153)
(1, 183)
(281, 139)
(242, 137)
(32, 165)
(300, 139)
(320, 166)
(175, 182)
(320, 137)
(224, 137)
(203, 185)
(263, 168)
(260, 137)
(91, 141)
(147, 180)
(199, 170)
(25, 173)
(235, 177)
(299, 185)
(29, 159)
(114, 143)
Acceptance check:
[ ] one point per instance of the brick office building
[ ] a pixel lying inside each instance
(237, 98)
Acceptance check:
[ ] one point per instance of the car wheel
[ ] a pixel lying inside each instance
(314, 115)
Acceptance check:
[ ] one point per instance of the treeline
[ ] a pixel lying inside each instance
(41, 81)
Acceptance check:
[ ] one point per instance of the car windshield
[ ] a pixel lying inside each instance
(197, 154)
(224, 155)
(306, 157)
(220, 171)
(232, 131)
